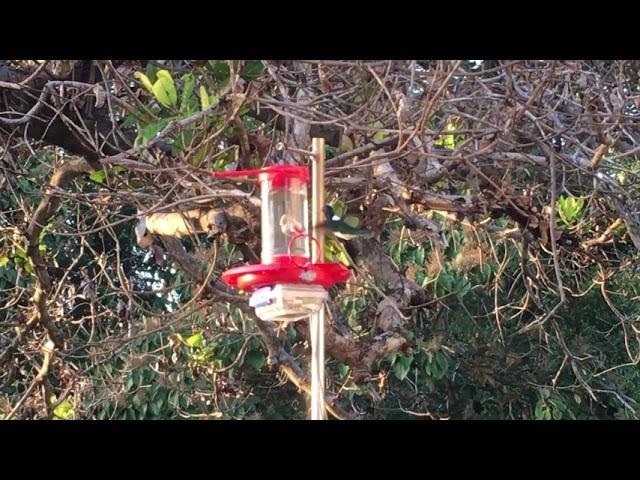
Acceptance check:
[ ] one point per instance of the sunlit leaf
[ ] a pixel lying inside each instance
(64, 411)
(196, 340)
(447, 140)
(145, 81)
(165, 89)
(205, 101)
(189, 83)
(98, 176)
(570, 208)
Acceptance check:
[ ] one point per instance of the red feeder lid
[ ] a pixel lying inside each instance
(286, 270)
(275, 173)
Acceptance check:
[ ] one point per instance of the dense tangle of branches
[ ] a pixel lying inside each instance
(437, 153)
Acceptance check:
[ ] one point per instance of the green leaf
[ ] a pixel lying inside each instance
(343, 370)
(64, 411)
(150, 132)
(24, 184)
(336, 251)
(153, 391)
(199, 156)
(343, 258)
(252, 70)
(205, 101)
(441, 361)
(9, 274)
(396, 253)
(252, 124)
(20, 253)
(570, 208)
(165, 89)
(98, 176)
(129, 121)
(145, 81)
(256, 359)
(445, 282)
(402, 367)
(28, 267)
(189, 83)
(150, 71)
(221, 70)
(136, 400)
(148, 374)
(447, 141)
(196, 340)
(463, 287)
(136, 376)
(3, 261)
(393, 356)
(558, 404)
(118, 169)
(154, 409)
(379, 136)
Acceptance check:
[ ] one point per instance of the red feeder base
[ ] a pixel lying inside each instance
(293, 270)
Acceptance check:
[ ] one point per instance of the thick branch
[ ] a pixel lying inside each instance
(47, 208)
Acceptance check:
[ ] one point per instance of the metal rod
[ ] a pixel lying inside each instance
(316, 321)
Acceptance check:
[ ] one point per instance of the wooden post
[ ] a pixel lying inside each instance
(316, 320)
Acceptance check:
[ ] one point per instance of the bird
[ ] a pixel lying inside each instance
(339, 228)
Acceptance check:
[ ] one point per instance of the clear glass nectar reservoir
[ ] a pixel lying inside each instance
(285, 207)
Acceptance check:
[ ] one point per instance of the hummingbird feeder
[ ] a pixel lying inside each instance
(287, 285)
